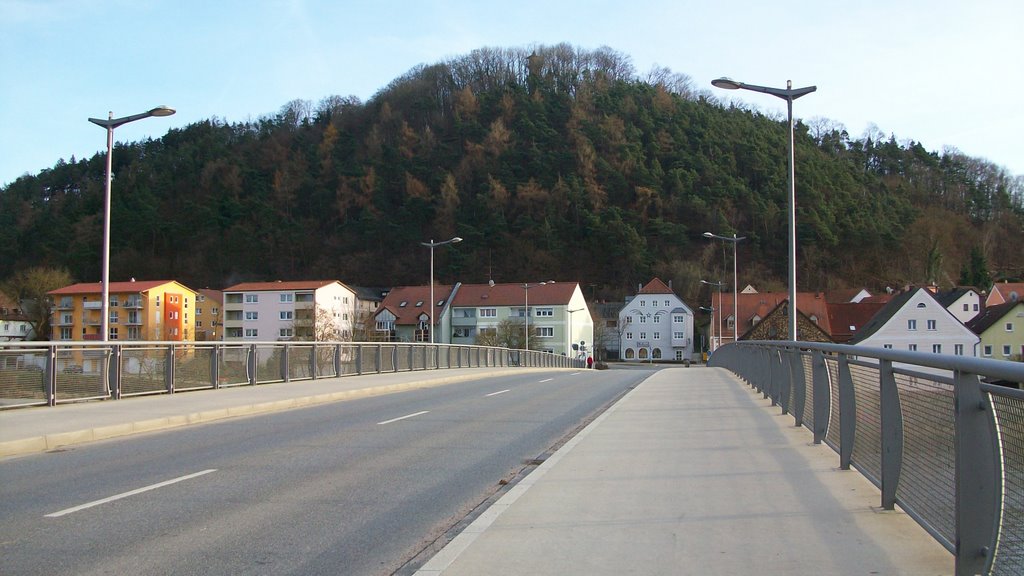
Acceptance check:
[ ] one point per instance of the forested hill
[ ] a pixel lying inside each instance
(551, 162)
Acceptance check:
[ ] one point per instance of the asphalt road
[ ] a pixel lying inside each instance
(357, 487)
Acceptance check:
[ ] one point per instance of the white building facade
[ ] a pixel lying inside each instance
(915, 321)
(656, 325)
(301, 310)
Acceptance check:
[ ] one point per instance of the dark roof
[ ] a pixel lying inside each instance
(656, 286)
(370, 293)
(949, 297)
(549, 294)
(847, 319)
(407, 303)
(884, 315)
(990, 316)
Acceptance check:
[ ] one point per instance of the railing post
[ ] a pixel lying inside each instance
(168, 369)
(337, 360)
(786, 381)
(799, 385)
(283, 365)
(50, 376)
(978, 475)
(892, 433)
(112, 360)
(822, 396)
(252, 362)
(215, 366)
(380, 358)
(847, 412)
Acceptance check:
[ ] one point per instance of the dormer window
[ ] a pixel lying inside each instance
(402, 304)
(921, 305)
(419, 303)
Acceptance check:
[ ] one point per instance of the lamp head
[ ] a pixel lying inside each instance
(726, 83)
(456, 240)
(162, 111)
(709, 235)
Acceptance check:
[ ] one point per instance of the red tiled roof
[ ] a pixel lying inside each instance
(847, 318)
(278, 285)
(416, 301)
(552, 294)
(1004, 290)
(811, 304)
(114, 288)
(214, 295)
(656, 286)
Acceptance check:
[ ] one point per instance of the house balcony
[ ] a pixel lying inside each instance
(133, 304)
(92, 305)
(680, 342)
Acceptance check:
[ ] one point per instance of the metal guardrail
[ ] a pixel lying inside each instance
(941, 436)
(50, 373)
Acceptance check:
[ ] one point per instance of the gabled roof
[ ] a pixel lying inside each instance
(991, 315)
(1005, 291)
(845, 296)
(656, 286)
(370, 293)
(407, 303)
(949, 297)
(847, 319)
(279, 285)
(760, 304)
(212, 295)
(551, 294)
(114, 288)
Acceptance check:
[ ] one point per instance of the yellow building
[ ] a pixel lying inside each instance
(208, 318)
(149, 310)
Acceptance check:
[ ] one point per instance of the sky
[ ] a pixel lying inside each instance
(945, 73)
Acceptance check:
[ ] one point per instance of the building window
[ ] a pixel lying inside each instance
(462, 332)
(113, 316)
(931, 324)
(975, 307)
(987, 351)
(1006, 350)
(252, 298)
(643, 319)
(629, 335)
(911, 324)
(65, 333)
(252, 315)
(678, 318)
(252, 333)
(643, 303)
(547, 312)
(937, 348)
(887, 346)
(114, 300)
(966, 307)
(113, 332)
(1009, 326)
(643, 335)
(678, 335)
(286, 332)
(657, 335)
(287, 315)
(234, 332)
(958, 349)
(912, 347)
(546, 332)
(488, 312)
(287, 297)
(667, 303)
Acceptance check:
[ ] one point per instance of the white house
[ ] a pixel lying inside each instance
(916, 321)
(300, 310)
(655, 324)
(557, 313)
(964, 303)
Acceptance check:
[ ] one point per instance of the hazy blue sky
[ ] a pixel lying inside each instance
(942, 72)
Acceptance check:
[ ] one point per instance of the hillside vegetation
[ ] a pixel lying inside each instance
(552, 162)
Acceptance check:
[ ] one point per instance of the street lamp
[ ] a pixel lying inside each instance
(571, 312)
(526, 291)
(432, 245)
(719, 286)
(788, 94)
(735, 298)
(110, 123)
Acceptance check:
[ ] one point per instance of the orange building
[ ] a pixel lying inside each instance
(147, 310)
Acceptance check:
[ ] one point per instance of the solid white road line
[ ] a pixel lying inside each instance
(129, 493)
(548, 380)
(496, 393)
(403, 417)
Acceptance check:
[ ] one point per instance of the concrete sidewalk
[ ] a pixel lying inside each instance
(692, 473)
(37, 429)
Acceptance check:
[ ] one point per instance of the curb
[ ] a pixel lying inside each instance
(54, 441)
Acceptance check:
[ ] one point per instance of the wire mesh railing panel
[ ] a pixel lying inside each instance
(143, 371)
(809, 416)
(832, 435)
(192, 368)
(867, 442)
(268, 363)
(387, 358)
(927, 477)
(300, 362)
(232, 366)
(22, 378)
(324, 361)
(1009, 417)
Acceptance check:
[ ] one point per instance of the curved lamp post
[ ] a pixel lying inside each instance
(110, 123)
(433, 245)
(719, 286)
(788, 94)
(735, 299)
(526, 291)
